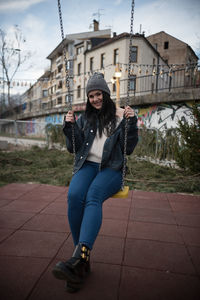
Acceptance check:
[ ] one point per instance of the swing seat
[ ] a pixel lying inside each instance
(122, 193)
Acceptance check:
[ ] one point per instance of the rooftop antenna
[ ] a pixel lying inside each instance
(140, 28)
(98, 14)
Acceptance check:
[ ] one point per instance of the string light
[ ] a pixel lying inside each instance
(137, 68)
(170, 72)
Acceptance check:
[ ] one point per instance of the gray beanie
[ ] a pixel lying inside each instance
(97, 82)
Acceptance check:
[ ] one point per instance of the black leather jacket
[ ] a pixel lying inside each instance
(113, 148)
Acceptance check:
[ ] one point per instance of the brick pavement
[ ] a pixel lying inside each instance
(148, 247)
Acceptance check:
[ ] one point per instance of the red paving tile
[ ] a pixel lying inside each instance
(149, 195)
(56, 208)
(4, 233)
(4, 202)
(140, 284)
(114, 212)
(158, 255)
(190, 235)
(152, 215)
(117, 202)
(148, 246)
(18, 276)
(187, 219)
(25, 206)
(53, 223)
(33, 243)
(38, 195)
(151, 203)
(114, 228)
(195, 255)
(10, 219)
(153, 231)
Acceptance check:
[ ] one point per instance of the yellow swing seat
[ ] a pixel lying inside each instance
(122, 193)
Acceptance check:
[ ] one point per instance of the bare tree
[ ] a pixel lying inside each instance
(11, 58)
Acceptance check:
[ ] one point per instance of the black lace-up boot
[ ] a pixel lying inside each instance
(75, 270)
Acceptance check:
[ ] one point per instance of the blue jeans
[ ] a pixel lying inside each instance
(88, 189)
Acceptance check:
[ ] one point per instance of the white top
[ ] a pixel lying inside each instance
(96, 151)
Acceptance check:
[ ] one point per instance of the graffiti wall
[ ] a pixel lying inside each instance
(164, 116)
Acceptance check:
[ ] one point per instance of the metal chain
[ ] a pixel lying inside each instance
(66, 74)
(128, 94)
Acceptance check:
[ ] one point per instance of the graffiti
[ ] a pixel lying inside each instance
(30, 127)
(164, 116)
(54, 119)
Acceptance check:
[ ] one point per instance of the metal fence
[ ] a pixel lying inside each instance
(24, 133)
(152, 142)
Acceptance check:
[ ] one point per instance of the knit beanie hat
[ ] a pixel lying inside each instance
(97, 82)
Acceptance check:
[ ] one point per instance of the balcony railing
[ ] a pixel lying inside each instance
(163, 82)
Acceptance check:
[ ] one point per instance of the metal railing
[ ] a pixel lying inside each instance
(173, 80)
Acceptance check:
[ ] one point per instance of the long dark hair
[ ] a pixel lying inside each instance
(106, 116)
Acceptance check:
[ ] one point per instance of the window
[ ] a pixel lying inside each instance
(102, 60)
(91, 63)
(44, 105)
(89, 45)
(69, 64)
(59, 69)
(59, 100)
(60, 85)
(116, 56)
(78, 91)
(79, 69)
(45, 93)
(79, 50)
(68, 98)
(132, 82)
(166, 45)
(134, 51)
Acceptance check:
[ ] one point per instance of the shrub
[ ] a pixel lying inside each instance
(188, 153)
(55, 134)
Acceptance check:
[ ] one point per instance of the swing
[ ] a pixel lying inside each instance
(123, 192)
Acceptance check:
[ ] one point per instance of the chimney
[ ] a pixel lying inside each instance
(96, 25)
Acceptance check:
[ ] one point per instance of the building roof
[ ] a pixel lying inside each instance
(71, 38)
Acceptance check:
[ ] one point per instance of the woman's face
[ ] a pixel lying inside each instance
(96, 99)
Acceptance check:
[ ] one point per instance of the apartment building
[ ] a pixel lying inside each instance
(111, 57)
(57, 91)
(36, 98)
(50, 90)
(174, 51)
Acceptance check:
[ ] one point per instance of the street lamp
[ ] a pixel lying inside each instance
(116, 79)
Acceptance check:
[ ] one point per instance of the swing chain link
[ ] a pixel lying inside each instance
(128, 94)
(67, 75)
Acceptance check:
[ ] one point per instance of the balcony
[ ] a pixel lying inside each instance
(59, 75)
(58, 91)
(59, 61)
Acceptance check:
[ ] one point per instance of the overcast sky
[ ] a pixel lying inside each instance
(39, 22)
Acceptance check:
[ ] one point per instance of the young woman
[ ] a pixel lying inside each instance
(99, 145)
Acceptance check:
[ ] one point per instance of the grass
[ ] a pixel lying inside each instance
(54, 167)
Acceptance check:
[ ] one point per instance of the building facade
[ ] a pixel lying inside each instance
(97, 51)
(174, 51)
